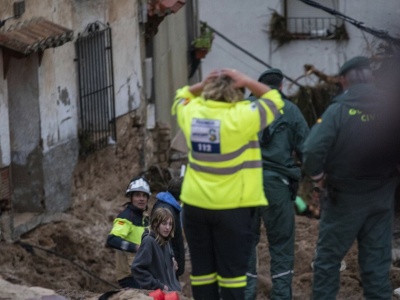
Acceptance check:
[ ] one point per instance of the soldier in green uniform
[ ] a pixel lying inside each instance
(281, 174)
(348, 155)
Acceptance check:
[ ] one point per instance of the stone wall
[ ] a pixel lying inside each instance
(162, 143)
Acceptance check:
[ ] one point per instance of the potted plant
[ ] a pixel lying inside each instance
(202, 44)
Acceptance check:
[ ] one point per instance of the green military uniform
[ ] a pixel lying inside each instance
(346, 147)
(280, 173)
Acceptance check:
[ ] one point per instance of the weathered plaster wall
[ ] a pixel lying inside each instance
(57, 79)
(44, 138)
(170, 64)
(42, 121)
(44, 161)
(44, 142)
(57, 96)
(6, 8)
(57, 76)
(58, 166)
(26, 169)
(247, 24)
(127, 55)
(58, 110)
(122, 16)
(5, 154)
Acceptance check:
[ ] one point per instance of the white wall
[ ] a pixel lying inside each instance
(127, 55)
(6, 8)
(58, 94)
(170, 63)
(5, 157)
(246, 23)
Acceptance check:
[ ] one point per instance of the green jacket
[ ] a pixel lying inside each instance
(347, 143)
(281, 139)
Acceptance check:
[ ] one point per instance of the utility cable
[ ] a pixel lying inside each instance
(378, 33)
(29, 248)
(247, 52)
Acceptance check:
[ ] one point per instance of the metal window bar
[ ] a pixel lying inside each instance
(313, 27)
(96, 87)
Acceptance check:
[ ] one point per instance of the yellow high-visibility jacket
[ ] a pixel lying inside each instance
(125, 234)
(225, 168)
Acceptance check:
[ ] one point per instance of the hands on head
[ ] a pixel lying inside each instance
(241, 81)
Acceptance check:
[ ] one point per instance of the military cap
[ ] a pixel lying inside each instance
(358, 62)
(271, 71)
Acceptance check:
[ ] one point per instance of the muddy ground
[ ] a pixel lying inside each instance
(70, 256)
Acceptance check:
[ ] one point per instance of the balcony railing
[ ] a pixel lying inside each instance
(314, 27)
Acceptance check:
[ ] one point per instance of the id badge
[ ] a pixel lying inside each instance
(205, 136)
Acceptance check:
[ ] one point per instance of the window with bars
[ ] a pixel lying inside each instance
(96, 88)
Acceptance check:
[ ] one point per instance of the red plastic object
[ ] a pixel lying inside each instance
(157, 295)
(171, 296)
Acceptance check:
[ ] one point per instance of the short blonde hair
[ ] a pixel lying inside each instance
(222, 89)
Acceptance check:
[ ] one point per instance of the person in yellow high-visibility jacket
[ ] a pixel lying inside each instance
(128, 228)
(223, 180)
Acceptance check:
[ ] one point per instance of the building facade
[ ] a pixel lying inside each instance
(71, 70)
(303, 34)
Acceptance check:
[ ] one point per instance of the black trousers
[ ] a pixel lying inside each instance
(219, 244)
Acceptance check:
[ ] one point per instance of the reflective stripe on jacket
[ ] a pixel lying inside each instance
(225, 168)
(127, 230)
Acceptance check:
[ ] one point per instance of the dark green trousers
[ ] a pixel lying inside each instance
(278, 219)
(363, 217)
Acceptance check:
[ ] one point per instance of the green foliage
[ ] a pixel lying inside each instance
(204, 41)
(278, 29)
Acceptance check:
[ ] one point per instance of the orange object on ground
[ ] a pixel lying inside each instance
(157, 295)
(171, 296)
(160, 295)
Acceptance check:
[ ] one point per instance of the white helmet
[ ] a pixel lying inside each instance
(138, 185)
